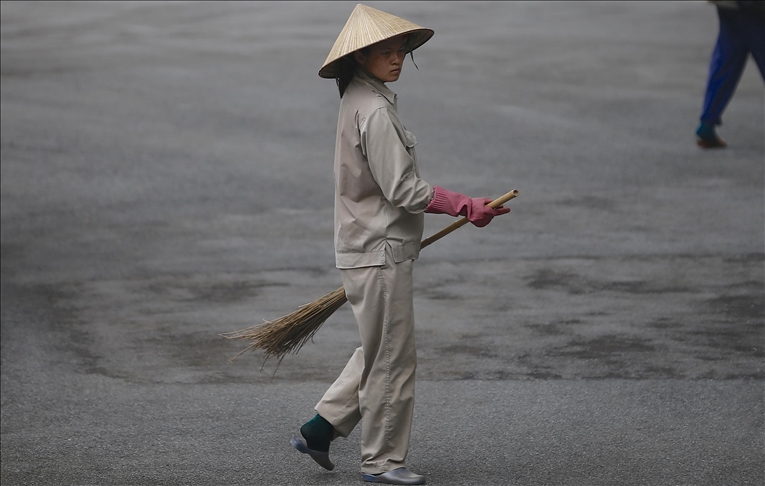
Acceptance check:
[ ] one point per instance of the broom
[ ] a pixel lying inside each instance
(286, 335)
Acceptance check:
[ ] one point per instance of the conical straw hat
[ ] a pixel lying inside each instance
(367, 26)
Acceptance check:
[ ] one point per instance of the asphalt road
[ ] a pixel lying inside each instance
(166, 176)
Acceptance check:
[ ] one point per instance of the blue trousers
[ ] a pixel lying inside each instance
(741, 33)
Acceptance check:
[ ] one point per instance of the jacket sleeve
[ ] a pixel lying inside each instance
(392, 165)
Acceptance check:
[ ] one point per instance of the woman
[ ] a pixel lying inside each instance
(379, 204)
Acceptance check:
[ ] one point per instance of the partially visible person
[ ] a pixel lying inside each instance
(742, 32)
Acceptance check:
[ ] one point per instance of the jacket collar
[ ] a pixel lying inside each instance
(365, 77)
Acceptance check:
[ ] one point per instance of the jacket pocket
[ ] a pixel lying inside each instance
(411, 140)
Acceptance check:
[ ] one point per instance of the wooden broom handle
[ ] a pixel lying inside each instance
(462, 222)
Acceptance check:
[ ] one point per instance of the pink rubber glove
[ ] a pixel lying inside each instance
(456, 204)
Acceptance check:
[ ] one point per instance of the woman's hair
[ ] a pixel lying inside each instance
(347, 69)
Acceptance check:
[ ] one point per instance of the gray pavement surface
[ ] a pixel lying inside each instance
(167, 176)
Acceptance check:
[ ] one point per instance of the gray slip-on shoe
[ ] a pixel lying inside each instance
(321, 458)
(398, 476)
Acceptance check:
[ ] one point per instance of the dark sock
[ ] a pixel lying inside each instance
(317, 433)
(706, 130)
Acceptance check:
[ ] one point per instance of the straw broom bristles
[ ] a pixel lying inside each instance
(289, 333)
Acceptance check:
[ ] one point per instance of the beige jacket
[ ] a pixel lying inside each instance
(379, 195)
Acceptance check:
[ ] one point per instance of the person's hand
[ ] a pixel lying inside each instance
(456, 204)
(480, 214)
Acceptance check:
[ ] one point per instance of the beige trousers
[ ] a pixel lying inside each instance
(377, 384)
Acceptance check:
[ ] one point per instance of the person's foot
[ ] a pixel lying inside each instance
(398, 476)
(706, 137)
(317, 434)
(320, 457)
(708, 143)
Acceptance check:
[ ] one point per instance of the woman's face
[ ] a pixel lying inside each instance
(384, 59)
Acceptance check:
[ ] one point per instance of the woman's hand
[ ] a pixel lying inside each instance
(456, 204)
